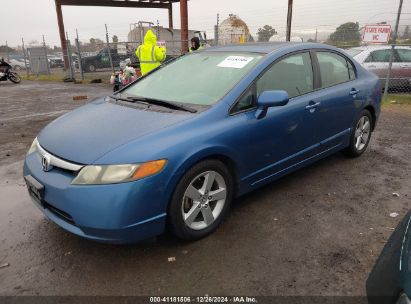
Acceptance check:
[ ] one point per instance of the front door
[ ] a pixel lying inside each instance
(285, 136)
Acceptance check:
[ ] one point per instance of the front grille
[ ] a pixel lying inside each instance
(51, 160)
(59, 213)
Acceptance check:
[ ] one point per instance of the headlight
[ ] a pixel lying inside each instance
(33, 147)
(112, 174)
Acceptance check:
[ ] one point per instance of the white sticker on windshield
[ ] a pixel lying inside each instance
(237, 62)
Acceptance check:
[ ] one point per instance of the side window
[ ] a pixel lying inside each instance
(334, 69)
(405, 55)
(380, 56)
(247, 101)
(293, 74)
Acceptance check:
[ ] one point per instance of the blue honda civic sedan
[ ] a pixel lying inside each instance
(172, 150)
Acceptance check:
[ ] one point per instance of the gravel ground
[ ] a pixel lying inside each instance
(317, 231)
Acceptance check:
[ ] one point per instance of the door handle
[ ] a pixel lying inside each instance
(312, 105)
(354, 92)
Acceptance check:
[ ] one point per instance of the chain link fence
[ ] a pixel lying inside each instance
(96, 59)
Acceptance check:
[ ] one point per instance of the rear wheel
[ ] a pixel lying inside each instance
(360, 135)
(201, 200)
(14, 77)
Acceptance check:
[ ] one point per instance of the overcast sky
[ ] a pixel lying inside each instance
(30, 19)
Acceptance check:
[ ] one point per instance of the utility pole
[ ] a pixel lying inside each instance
(216, 30)
(184, 26)
(8, 55)
(108, 50)
(61, 33)
(45, 54)
(79, 56)
(68, 48)
(289, 17)
(316, 34)
(387, 81)
(25, 60)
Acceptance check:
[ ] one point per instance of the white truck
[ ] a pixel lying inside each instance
(171, 37)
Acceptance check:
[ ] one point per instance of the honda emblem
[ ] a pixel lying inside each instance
(45, 163)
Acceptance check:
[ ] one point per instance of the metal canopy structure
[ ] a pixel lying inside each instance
(164, 4)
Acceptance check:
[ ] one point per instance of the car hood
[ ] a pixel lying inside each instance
(87, 133)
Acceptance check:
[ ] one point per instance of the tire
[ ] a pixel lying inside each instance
(14, 77)
(193, 212)
(91, 68)
(360, 135)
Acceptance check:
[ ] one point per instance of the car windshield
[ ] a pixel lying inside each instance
(353, 52)
(200, 78)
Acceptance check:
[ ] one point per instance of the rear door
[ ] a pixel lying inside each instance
(340, 95)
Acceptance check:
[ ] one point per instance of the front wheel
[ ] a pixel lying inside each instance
(14, 77)
(360, 135)
(201, 200)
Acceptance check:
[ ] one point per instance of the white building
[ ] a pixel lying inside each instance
(233, 30)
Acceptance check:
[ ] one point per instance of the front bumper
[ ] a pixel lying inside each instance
(114, 213)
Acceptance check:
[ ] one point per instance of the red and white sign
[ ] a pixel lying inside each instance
(378, 33)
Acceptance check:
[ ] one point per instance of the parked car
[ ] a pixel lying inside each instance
(102, 60)
(173, 149)
(55, 62)
(18, 64)
(390, 280)
(376, 59)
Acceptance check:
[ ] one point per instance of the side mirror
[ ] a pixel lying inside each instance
(269, 99)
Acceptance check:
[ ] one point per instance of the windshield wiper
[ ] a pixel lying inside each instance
(128, 99)
(169, 104)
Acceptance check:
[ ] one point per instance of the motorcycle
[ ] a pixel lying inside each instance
(6, 73)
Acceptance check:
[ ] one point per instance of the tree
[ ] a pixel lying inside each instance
(6, 49)
(265, 33)
(406, 34)
(95, 44)
(347, 32)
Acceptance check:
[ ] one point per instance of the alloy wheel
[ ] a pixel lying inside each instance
(362, 133)
(204, 200)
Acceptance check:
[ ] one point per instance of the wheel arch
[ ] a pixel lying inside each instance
(223, 156)
(371, 109)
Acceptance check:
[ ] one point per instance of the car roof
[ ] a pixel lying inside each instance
(265, 47)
